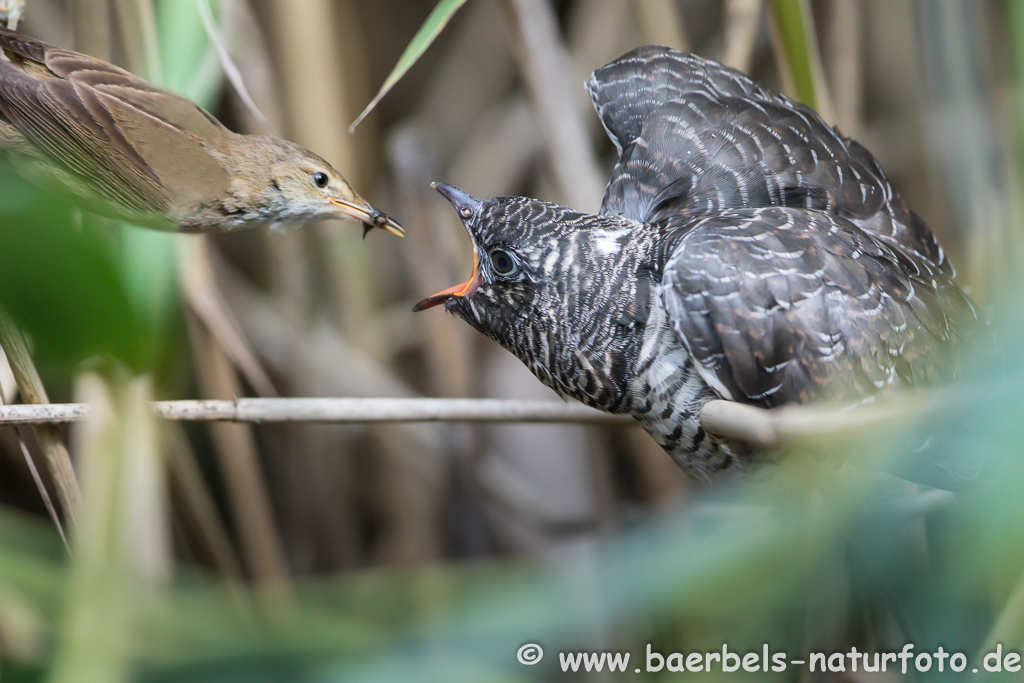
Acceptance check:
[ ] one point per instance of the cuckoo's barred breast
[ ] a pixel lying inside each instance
(744, 250)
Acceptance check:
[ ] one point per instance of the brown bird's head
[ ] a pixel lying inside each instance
(304, 187)
(138, 152)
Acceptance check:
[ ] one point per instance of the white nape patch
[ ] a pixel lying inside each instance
(608, 242)
(551, 260)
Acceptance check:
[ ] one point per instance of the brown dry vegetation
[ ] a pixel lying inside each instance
(496, 106)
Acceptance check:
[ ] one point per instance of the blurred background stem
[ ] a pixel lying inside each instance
(31, 387)
(433, 551)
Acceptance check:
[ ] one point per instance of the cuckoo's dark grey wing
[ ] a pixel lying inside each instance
(780, 305)
(696, 137)
(628, 91)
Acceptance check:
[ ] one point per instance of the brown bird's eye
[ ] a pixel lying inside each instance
(502, 262)
(320, 178)
(466, 212)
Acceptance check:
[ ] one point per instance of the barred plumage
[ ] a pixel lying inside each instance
(744, 250)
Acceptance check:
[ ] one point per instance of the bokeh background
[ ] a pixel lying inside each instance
(294, 552)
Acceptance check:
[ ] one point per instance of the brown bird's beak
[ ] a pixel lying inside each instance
(460, 200)
(359, 209)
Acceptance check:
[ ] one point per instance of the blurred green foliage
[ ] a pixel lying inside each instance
(817, 554)
(80, 286)
(431, 29)
(63, 282)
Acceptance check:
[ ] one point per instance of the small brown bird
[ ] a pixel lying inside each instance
(132, 150)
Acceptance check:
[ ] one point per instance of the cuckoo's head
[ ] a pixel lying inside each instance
(548, 283)
(517, 259)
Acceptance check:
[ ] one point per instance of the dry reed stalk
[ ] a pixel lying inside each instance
(447, 110)
(447, 351)
(769, 428)
(145, 502)
(742, 21)
(90, 22)
(661, 23)
(845, 36)
(30, 463)
(195, 273)
(247, 47)
(137, 22)
(30, 385)
(595, 33)
(121, 559)
(100, 570)
(328, 365)
(237, 456)
(329, 92)
(196, 508)
(544, 64)
(334, 411)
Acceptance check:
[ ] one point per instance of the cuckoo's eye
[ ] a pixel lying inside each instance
(503, 263)
(320, 179)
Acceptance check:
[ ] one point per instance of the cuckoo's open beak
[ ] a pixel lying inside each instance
(465, 289)
(465, 205)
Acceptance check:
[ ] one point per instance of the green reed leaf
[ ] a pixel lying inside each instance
(431, 28)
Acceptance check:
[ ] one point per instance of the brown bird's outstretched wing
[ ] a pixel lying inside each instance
(695, 137)
(107, 126)
(780, 305)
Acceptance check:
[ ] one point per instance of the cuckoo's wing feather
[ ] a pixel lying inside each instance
(780, 305)
(627, 92)
(695, 137)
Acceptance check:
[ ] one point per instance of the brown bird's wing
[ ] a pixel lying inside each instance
(780, 305)
(696, 137)
(23, 46)
(135, 144)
